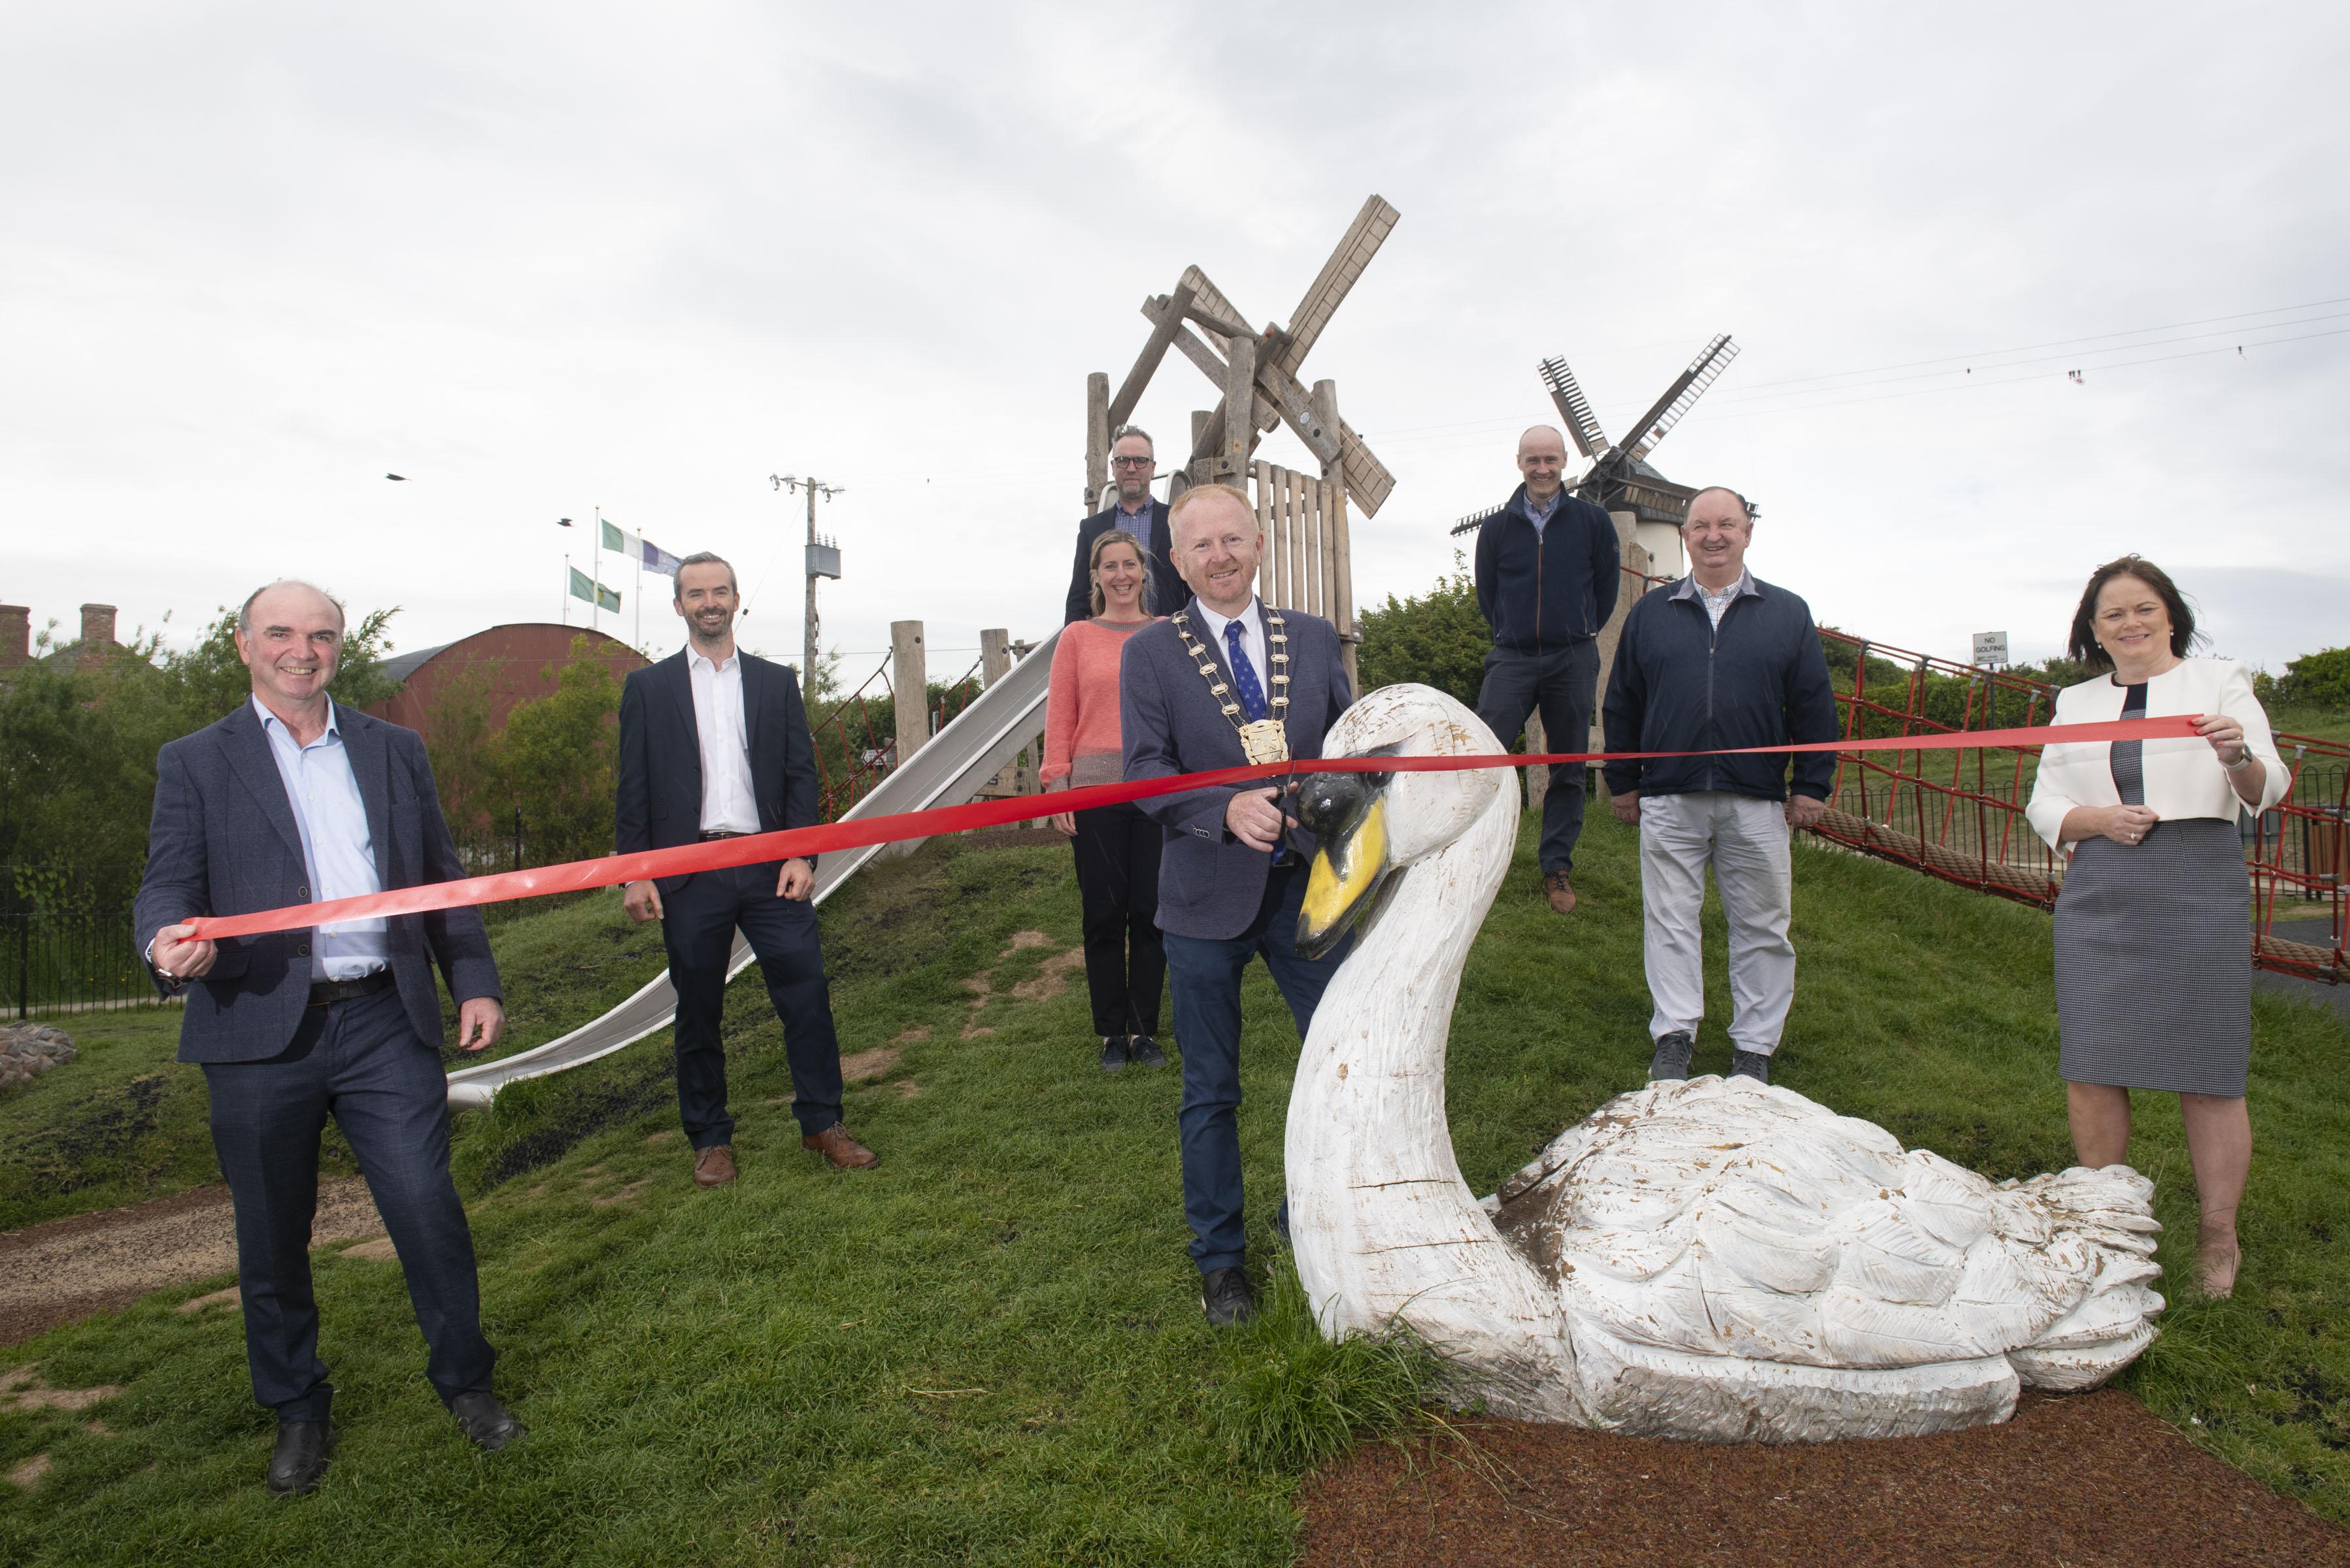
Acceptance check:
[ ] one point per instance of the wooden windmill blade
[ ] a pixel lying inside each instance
(1582, 424)
(1367, 478)
(1690, 386)
(1476, 520)
(1361, 243)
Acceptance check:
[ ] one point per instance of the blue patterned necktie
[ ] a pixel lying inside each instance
(1243, 672)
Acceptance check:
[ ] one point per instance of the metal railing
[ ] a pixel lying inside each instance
(55, 963)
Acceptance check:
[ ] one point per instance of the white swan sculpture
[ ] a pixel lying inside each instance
(1713, 1259)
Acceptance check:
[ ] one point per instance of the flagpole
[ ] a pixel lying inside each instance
(563, 607)
(596, 580)
(640, 598)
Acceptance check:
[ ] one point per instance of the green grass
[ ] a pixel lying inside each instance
(988, 1349)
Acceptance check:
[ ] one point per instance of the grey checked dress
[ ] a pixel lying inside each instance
(2154, 970)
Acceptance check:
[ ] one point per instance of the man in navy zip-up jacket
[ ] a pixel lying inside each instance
(1718, 661)
(1547, 567)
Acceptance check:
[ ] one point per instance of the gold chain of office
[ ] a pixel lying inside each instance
(1264, 740)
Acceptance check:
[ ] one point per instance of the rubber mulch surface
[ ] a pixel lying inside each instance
(2095, 1478)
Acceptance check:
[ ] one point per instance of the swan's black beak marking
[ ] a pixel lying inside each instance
(1348, 812)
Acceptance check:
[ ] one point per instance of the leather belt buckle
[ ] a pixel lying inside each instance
(327, 992)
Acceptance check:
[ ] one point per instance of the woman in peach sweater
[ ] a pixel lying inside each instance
(1116, 846)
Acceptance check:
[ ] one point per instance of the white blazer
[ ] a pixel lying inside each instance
(2183, 778)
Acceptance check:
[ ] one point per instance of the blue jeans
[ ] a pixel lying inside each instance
(1563, 684)
(1204, 976)
(360, 1063)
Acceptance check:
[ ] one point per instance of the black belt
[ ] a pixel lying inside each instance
(721, 833)
(327, 992)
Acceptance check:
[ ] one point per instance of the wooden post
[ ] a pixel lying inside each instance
(1096, 439)
(994, 664)
(1262, 494)
(1240, 397)
(1537, 779)
(1335, 542)
(909, 687)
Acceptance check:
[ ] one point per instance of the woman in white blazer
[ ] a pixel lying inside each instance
(2153, 927)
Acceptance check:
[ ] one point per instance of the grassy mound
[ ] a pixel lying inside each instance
(988, 1349)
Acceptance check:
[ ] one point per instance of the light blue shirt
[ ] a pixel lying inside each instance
(1539, 514)
(338, 851)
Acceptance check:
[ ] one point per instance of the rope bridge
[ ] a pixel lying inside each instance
(1958, 814)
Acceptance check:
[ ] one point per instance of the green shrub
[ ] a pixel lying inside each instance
(1438, 639)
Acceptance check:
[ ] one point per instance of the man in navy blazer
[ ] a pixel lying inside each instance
(714, 744)
(1132, 465)
(1228, 884)
(291, 799)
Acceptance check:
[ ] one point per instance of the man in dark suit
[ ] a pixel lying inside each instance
(714, 743)
(1132, 466)
(292, 800)
(1226, 681)
(1547, 573)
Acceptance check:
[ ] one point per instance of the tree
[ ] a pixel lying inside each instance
(2317, 681)
(78, 750)
(1439, 640)
(558, 758)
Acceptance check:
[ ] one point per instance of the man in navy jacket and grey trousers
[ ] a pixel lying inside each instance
(1718, 661)
(289, 800)
(1227, 892)
(1547, 575)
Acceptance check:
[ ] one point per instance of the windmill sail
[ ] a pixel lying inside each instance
(1702, 372)
(1582, 424)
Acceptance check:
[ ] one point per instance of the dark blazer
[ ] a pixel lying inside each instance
(223, 842)
(1541, 590)
(1167, 589)
(659, 802)
(1681, 684)
(1210, 883)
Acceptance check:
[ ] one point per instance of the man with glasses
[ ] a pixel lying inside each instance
(1133, 466)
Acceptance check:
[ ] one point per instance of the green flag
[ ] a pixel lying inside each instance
(583, 586)
(614, 540)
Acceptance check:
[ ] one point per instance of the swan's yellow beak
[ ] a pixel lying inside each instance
(1350, 863)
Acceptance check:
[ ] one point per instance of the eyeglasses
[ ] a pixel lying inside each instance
(1132, 461)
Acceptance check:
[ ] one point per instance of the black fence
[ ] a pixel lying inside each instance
(52, 963)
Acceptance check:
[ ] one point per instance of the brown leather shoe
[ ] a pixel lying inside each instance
(1562, 897)
(834, 1144)
(714, 1166)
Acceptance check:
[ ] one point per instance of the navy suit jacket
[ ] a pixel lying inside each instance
(223, 842)
(1167, 590)
(659, 802)
(1210, 883)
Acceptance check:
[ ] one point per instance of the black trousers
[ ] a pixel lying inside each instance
(698, 923)
(1563, 684)
(1118, 885)
(360, 1062)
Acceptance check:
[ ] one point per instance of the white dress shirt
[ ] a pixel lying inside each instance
(1252, 621)
(337, 850)
(728, 802)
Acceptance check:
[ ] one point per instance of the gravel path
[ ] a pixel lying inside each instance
(69, 1269)
(2092, 1479)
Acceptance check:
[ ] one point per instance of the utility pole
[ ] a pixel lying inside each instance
(823, 560)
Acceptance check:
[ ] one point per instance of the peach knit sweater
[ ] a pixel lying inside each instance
(1081, 741)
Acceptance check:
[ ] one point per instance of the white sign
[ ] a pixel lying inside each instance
(1990, 647)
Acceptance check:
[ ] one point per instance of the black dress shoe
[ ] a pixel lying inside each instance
(299, 1462)
(1750, 1065)
(1113, 1057)
(490, 1424)
(1144, 1052)
(1224, 1297)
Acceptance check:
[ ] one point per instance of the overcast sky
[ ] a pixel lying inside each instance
(547, 258)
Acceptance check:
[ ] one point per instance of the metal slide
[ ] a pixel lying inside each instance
(954, 766)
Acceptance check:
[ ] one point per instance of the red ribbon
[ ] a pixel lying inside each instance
(753, 849)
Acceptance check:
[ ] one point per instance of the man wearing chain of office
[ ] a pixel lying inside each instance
(1225, 680)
